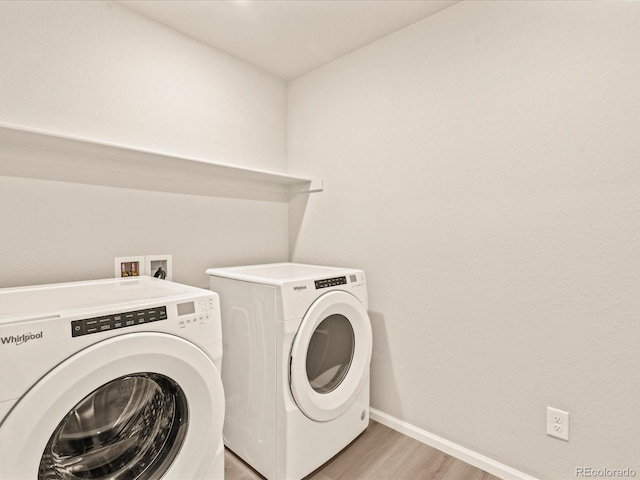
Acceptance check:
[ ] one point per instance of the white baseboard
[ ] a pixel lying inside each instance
(469, 456)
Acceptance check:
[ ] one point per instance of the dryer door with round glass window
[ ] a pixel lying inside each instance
(330, 356)
(138, 406)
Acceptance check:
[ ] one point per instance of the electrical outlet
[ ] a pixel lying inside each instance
(558, 423)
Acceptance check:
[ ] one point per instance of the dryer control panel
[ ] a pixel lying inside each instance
(330, 282)
(337, 281)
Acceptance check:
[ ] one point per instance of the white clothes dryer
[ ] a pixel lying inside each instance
(113, 379)
(297, 341)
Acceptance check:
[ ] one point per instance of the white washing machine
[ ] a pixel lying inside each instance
(297, 341)
(110, 379)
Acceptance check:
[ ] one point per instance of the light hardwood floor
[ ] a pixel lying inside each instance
(380, 453)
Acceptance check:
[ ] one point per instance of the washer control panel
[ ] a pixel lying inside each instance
(180, 314)
(193, 312)
(87, 326)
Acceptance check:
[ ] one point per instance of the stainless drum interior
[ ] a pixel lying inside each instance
(130, 428)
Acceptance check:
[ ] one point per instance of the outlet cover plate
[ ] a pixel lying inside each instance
(558, 423)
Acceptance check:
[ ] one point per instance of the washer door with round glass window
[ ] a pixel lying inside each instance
(330, 356)
(139, 406)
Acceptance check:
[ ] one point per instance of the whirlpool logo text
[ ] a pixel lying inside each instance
(20, 339)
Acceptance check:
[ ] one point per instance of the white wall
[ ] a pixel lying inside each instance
(483, 167)
(99, 71)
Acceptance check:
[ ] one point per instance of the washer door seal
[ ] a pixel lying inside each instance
(330, 356)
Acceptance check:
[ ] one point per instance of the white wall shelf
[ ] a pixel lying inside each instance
(42, 155)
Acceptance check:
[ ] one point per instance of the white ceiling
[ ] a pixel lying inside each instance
(287, 37)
